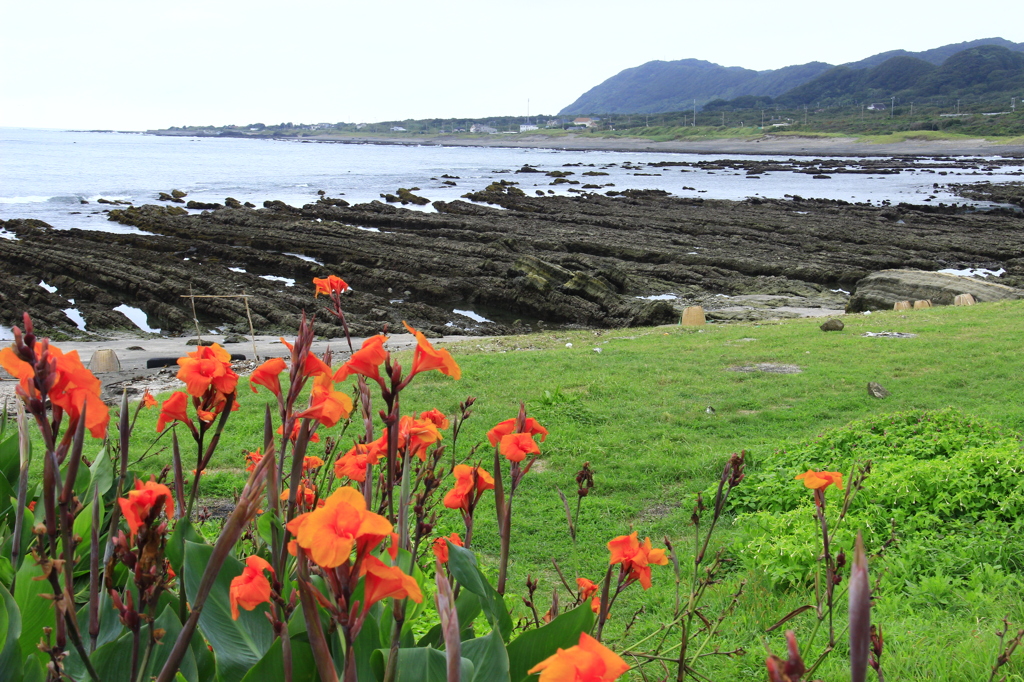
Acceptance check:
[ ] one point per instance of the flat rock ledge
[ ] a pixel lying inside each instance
(881, 290)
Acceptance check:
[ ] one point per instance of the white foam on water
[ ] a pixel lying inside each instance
(46, 286)
(288, 281)
(75, 317)
(840, 291)
(975, 272)
(4, 234)
(24, 200)
(305, 258)
(471, 315)
(659, 297)
(71, 301)
(237, 269)
(138, 318)
(367, 229)
(6, 334)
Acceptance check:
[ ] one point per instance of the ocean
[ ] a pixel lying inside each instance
(57, 176)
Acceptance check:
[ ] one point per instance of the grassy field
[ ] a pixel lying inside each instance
(634, 404)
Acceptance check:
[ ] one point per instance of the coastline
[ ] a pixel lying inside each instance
(768, 145)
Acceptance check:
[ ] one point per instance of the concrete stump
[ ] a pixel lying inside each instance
(104, 360)
(964, 299)
(922, 304)
(693, 317)
(902, 305)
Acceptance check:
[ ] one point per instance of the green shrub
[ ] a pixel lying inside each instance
(943, 499)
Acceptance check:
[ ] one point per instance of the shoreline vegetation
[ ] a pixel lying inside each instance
(733, 141)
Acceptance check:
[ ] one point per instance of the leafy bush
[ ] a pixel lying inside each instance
(943, 498)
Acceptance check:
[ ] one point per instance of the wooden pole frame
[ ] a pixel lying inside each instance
(245, 297)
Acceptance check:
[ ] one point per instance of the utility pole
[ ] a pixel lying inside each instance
(762, 119)
(911, 109)
(805, 114)
(1013, 104)
(892, 106)
(694, 113)
(958, 106)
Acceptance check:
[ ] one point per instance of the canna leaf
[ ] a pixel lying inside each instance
(462, 564)
(533, 646)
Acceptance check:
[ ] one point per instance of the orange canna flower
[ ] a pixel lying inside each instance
(436, 417)
(366, 361)
(440, 546)
(819, 480)
(426, 357)
(173, 409)
(74, 388)
(587, 588)
(470, 484)
(15, 366)
(311, 463)
(417, 435)
(148, 400)
(207, 366)
(326, 405)
(140, 503)
(588, 661)
(636, 558)
(252, 588)
(383, 582)
(306, 494)
(268, 375)
(353, 463)
(315, 438)
(253, 458)
(330, 533)
(516, 446)
(332, 284)
(505, 428)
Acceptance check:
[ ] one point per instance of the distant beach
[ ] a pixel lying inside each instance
(766, 144)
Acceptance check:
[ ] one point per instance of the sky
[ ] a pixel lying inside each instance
(139, 64)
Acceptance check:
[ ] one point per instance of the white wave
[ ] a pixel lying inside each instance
(24, 200)
(367, 229)
(4, 234)
(46, 286)
(138, 318)
(305, 258)
(288, 281)
(659, 297)
(975, 272)
(237, 269)
(75, 317)
(471, 315)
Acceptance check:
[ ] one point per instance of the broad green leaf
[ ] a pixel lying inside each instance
(266, 523)
(6, 571)
(533, 646)
(174, 549)
(365, 645)
(10, 459)
(34, 670)
(83, 528)
(420, 665)
(467, 605)
(10, 651)
(4, 620)
(168, 621)
(36, 611)
(8, 499)
(462, 564)
(240, 644)
(271, 666)
(490, 659)
(101, 476)
(113, 661)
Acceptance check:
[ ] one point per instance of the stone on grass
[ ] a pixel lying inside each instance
(875, 390)
(832, 325)
(693, 317)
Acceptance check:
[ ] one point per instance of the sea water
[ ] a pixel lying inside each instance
(50, 174)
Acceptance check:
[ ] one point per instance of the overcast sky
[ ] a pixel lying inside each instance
(136, 64)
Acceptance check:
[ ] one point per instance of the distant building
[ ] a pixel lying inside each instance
(878, 106)
(397, 129)
(585, 122)
(481, 128)
(360, 126)
(523, 127)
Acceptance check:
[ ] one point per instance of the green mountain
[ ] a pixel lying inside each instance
(987, 71)
(971, 68)
(673, 86)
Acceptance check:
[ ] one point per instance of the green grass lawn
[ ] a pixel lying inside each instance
(633, 403)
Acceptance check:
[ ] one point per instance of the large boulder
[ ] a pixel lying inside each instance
(882, 290)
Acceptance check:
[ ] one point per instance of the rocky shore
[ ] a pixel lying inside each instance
(518, 262)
